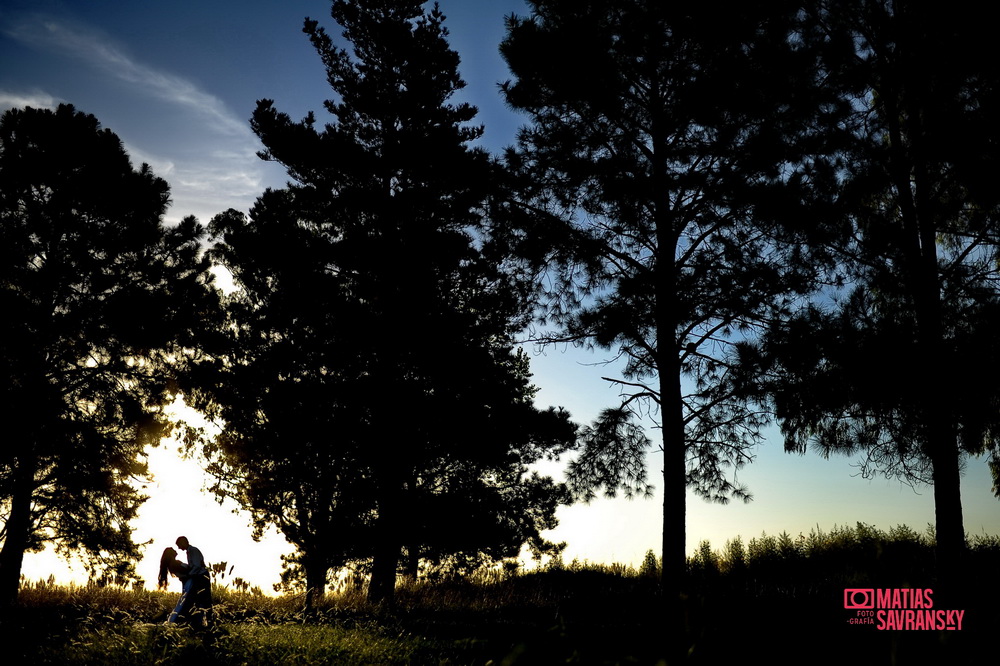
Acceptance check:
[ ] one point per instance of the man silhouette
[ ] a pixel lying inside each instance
(197, 596)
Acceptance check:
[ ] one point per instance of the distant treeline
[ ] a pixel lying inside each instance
(843, 556)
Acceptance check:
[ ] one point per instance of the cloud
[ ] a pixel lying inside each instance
(210, 181)
(205, 153)
(89, 46)
(36, 99)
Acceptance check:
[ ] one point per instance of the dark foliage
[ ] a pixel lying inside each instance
(886, 361)
(99, 298)
(661, 201)
(373, 397)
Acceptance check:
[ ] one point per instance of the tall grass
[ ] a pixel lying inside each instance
(844, 556)
(771, 592)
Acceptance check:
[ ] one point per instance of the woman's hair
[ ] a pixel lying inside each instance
(169, 555)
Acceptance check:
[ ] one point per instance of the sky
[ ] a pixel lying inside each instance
(178, 81)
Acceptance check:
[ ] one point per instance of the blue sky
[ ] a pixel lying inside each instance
(178, 82)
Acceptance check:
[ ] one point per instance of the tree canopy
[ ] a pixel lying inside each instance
(98, 298)
(653, 168)
(373, 396)
(885, 360)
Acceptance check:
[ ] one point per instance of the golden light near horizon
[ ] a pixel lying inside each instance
(180, 503)
(604, 531)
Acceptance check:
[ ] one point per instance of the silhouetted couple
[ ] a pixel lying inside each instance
(195, 604)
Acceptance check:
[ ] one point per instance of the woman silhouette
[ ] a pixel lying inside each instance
(170, 565)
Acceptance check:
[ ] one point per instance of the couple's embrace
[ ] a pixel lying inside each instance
(195, 604)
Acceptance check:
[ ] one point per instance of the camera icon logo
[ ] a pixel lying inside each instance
(859, 599)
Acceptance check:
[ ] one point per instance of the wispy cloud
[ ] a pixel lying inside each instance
(35, 98)
(207, 154)
(211, 181)
(100, 52)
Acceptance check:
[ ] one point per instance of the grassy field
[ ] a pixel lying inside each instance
(779, 597)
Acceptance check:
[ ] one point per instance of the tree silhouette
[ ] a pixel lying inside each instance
(887, 363)
(98, 296)
(373, 396)
(655, 191)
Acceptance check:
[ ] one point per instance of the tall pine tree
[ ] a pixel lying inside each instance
(99, 298)
(655, 167)
(887, 363)
(415, 410)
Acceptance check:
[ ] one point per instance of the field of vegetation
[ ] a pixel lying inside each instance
(777, 597)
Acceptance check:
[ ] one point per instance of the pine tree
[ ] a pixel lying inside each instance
(374, 316)
(99, 297)
(656, 194)
(886, 364)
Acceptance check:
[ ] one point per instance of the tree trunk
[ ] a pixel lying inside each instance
(941, 428)
(674, 573)
(913, 181)
(17, 530)
(382, 587)
(950, 525)
(316, 570)
(940, 416)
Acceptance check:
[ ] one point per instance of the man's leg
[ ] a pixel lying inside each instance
(201, 592)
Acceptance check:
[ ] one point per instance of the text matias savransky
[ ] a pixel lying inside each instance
(900, 608)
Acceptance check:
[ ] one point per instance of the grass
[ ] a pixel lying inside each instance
(249, 644)
(780, 597)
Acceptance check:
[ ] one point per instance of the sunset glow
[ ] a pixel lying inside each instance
(182, 106)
